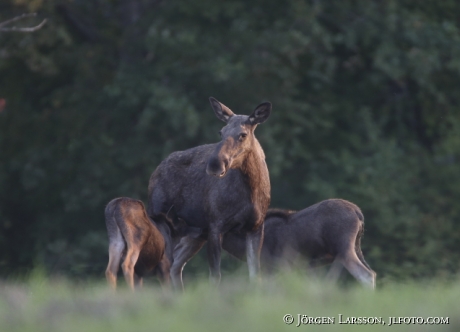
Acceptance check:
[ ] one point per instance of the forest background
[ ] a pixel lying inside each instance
(366, 107)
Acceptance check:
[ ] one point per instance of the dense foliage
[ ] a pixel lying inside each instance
(365, 108)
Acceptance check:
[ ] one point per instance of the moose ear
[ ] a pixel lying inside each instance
(261, 113)
(223, 113)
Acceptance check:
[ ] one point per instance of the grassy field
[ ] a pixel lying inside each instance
(43, 304)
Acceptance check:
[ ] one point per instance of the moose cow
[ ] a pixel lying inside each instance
(329, 231)
(217, 187)
(143, 244)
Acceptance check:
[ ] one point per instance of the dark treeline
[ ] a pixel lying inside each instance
(365, 107)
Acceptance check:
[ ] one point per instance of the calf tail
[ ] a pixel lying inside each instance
(110, 222)
(116, 229)
(116, 243)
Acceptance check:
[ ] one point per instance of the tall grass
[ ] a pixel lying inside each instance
(47, 304)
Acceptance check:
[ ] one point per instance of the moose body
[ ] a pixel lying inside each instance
(217, 187)
(142, 244)
(329, 231)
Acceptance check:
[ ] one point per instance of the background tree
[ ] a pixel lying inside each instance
(4, 25)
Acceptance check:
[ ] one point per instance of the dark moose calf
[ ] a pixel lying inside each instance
(143, 244)
(329, 231)
(217, 187)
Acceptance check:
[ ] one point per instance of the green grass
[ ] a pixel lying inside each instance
(43, 304)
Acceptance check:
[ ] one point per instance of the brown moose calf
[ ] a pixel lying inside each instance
(136, 239)
(328, 232)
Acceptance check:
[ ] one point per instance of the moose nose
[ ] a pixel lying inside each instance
(217, 167)
(224, 168)
(214, 167)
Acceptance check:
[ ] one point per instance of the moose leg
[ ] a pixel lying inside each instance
(322, 261)
(254, 241)
(138, 281)
(316, 263)
(286, 262)
(359, 253)
(183, 252)
(336, 268)
(350, 260)
(163, 272)
(132, 255)
(214, 253)
(358, 269)
(116, 248)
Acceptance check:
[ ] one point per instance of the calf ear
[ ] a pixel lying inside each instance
(173, 218)
(178, 225)
(261, 113)
(223, 113)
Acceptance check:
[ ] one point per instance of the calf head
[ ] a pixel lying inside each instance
(176, 227)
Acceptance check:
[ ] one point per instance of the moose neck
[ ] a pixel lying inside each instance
(256, 172)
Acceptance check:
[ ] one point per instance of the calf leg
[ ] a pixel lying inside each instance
(116, 247)
(359, 253)
(138, 281)
(316, 263)
(132, 255)
(183, 252)
(352, 263)
(254, 241)
(287, 261)
(334, 271)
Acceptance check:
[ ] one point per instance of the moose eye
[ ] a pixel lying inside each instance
(243, 136)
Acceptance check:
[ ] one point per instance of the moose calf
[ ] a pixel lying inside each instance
(142, 243)
(330, 231)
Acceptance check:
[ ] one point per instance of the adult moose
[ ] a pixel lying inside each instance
(217, 187)
(329, 231)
